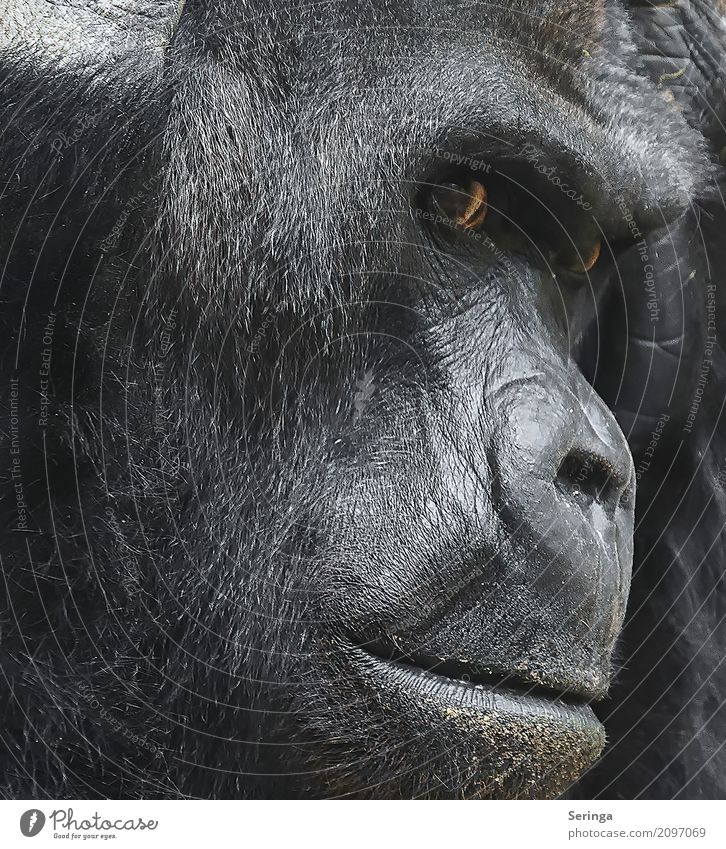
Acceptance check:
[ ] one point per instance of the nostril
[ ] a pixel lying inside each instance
(589, 477)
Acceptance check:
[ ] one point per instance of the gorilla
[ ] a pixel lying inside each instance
(339, 338)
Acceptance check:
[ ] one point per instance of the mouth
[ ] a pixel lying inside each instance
(463, 675)
(547, 738)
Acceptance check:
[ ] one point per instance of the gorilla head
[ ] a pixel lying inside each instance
(309, 489)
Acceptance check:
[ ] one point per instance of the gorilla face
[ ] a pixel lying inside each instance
(347, 499)
(471, 548)
(472, 543)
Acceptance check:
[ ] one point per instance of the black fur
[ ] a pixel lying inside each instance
(227, 336)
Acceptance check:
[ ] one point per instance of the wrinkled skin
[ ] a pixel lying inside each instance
(308, 489)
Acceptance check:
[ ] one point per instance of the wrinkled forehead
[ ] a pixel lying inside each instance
(86, 35)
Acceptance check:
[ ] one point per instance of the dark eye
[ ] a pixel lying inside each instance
(579, 261)
(462, 206)
(529, 220)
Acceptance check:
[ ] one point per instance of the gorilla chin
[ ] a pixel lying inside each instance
(418, 728)
(516, 742)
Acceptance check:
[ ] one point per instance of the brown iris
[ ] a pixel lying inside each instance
(464, 206)
(582, 262)
(515, 223)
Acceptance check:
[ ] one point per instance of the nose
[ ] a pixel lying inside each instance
(596, 466)
(559, 440)
(563, 485)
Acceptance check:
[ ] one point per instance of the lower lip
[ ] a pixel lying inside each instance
(485, 698)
